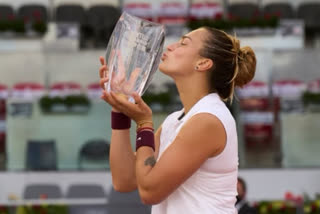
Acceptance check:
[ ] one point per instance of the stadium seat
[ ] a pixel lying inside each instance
(4, 92)
(94, 90)
(102, 19)
(41, 155)
(122, 203)
(245, 10)
(87, 191)
(6, 12)
(44, 191)
(64, 89)
(28, 90)
(94, 150)
(139, 9)
(33, 12)
(309, 12)
(282, 9)
(114, 3)
(70, 13)
(207, 10)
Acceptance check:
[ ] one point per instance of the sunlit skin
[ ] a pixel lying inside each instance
(202, 137)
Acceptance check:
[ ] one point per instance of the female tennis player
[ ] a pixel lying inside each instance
(190, 164)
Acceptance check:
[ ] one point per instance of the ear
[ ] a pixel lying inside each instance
(204, 64)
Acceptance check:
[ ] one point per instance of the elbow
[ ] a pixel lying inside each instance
(123, 186)
(120, 188)
(149, 197)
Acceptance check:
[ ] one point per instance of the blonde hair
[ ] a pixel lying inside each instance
(233, 66)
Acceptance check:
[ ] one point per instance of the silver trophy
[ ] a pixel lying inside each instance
(133, 55)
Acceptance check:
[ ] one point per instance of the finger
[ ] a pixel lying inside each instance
(120, 102)
(108, 98)
(102, 61)
(102, 71)
(103, 81)
(128, 87)
(139, 101)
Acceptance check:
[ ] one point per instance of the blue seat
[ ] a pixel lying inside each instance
(41, 155)
(95, 151)
(123, 203)
(37, 191)
(87, 191)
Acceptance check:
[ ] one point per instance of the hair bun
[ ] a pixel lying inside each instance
(246, 65)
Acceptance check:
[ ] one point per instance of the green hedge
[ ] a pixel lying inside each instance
(46, 103)
(19, 26)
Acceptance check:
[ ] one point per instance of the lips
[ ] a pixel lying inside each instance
(164, 55)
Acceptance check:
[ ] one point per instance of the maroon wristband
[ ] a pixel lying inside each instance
(120, 121)
(145, 138)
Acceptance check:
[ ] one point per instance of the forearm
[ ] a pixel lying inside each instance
(122, 161)
(144, 164)
(122, 158)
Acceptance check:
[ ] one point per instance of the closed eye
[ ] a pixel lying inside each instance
(182, 42)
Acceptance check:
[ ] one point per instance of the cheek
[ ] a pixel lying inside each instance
(178, 61)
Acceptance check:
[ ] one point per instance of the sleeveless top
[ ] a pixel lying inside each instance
(213, 187)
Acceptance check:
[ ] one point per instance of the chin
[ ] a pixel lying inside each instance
(162, 68)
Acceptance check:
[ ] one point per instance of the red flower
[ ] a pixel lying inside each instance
(218, 16)
(288, 196)
(267, 16)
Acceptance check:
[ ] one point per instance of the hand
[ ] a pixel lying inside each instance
(104, 77)
(116, 81)
(103, 73)
(138, 111)
(119, 83)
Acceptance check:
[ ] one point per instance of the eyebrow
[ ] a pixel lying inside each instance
(186, 37)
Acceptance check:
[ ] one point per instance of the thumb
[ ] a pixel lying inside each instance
(102, 61)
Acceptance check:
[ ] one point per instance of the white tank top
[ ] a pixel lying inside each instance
(213, 187)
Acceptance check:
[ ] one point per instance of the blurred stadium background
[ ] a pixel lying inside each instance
(55, 131)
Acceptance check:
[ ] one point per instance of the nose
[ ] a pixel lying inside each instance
(171, 47)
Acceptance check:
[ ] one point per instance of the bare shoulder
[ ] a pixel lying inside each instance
(206, 120)
(207, 131)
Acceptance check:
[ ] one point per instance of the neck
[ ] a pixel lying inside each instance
(191, 91)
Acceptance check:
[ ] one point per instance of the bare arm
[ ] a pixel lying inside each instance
(122, 157)
(123, 160)
(202, 137)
